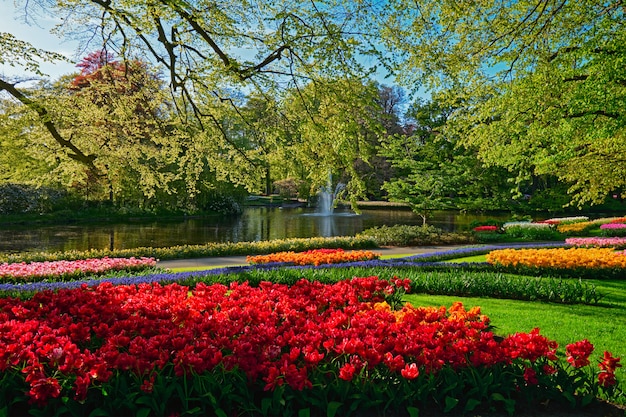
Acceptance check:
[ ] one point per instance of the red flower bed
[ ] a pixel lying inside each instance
(74, 342)
(485, 229)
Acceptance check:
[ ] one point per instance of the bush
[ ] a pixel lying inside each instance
(404, 235)
(533, 231)
(289, 187)
(23, 199)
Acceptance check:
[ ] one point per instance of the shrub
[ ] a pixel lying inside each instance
(532, 231)
(404, 235)
(289, 187)
(23, 199)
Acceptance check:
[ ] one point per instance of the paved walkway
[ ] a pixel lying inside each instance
(223, 261)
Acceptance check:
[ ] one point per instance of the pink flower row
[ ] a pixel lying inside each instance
(597, 242)
(613, 226)
(40, 270)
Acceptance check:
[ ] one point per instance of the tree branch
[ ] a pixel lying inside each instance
(44, 116)
(594, 113)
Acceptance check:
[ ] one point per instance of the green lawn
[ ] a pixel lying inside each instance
(603, 325)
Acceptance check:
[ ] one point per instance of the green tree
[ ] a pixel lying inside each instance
(210, 52)
(118, 113)
(15, 52)
(330, 126)
(434, 172)
(541, 82)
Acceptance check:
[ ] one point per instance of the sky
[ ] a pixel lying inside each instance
(40, 37)
(37, 33)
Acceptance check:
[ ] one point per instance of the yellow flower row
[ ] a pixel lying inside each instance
(559, 258)
(581, 226)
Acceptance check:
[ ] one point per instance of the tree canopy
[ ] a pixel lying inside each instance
(540, 85)
(253, 90)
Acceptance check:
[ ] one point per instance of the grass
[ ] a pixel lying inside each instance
(476, 258)
(603, 325)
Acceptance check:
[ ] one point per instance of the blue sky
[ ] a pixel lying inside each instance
(39, 36)
(37, 33)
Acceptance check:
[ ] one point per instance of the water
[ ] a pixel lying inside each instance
(327, 196)
(255, 224)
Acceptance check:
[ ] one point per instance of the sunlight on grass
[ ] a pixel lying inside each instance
(475, 258)
(602, 325)
(196, 268)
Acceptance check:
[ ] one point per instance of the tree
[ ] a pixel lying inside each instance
(541, 82)
(330, 126)
(19, 53)
(434, 172)
(213, 52)
(118, 113)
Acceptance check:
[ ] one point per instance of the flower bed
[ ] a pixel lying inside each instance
(153, 349)
(612, 226)
(527, 225)
(70, 269)
(485, 229)
(566, 220)
(560, 258)
(597, 242)
(613, 229)
(314, 257)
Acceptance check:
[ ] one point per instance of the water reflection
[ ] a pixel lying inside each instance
(255, 224)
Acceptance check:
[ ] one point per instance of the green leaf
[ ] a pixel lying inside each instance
(143, 412)
(450, 404)
(145, 400)
(99, 412)
(331, 409)
(304, 412)
(413, 411)
(472, 403)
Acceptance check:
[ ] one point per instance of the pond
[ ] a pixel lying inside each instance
(254, 224)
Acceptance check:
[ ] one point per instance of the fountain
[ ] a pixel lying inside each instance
(327, 196)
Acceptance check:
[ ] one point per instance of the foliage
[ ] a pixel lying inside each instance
(21, 198)
(15, 52)
(404, 235)
(331, 126)
(434, 171)
(276, 361)
(289, 188)
(539, 87)
(532, 231)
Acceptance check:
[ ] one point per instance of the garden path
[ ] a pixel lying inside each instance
(223, 261)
